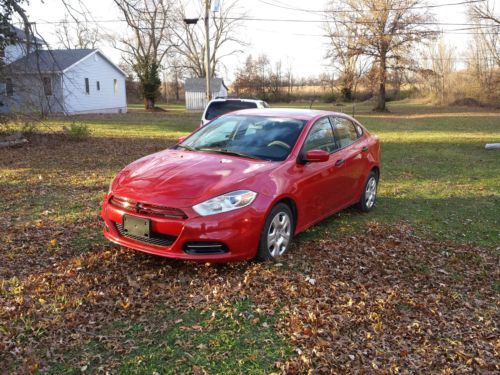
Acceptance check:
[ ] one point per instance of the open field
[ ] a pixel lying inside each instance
(412, 286)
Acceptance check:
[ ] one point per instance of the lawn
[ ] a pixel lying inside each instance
(412, 286)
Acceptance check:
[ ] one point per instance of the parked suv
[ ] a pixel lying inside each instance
(220, 106)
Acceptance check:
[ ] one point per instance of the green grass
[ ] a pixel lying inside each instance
(232, 339)
(436, 176)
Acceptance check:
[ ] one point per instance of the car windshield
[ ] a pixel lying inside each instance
(258, 137)
(216, 109)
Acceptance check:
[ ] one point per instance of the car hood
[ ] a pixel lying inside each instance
(182, 178)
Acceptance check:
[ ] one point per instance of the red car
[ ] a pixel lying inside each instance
(243, 185)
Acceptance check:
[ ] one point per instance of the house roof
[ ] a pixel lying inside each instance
(199, 84)
(53, 61)
(20, 35)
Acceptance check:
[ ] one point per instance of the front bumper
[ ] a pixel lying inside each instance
(239, 231)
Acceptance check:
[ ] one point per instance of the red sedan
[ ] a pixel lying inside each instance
(242, 186)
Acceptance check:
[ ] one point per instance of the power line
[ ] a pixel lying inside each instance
(343, 35)
(298, 20)
(470, 26)
(285, 6)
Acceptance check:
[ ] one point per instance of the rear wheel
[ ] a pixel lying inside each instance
(277, 233)
(369, 195)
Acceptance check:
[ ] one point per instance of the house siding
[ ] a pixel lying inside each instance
(29, 95)
(14, 52)
(96, 68)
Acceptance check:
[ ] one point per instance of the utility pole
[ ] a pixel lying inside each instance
(207, 50)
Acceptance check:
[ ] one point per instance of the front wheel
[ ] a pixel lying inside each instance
(369, 195)
(277, 233)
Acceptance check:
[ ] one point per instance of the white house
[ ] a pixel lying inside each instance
(195, 89)
(68, 81)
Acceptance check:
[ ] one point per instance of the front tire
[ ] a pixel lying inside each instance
(277, 233)
(367, 201)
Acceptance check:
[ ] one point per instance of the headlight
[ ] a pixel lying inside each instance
(226, 202)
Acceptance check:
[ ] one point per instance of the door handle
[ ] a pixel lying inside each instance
(339, 162)
(364, 149)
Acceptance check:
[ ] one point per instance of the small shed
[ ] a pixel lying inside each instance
(195, 89)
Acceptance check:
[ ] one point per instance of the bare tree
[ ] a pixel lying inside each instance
(79, 35)
(483, 66)
(441, 66)
(485, 11)
(487, 19)
(384, 31)
(175, 73)
(344, 39)
(189, 40)
(147, 47)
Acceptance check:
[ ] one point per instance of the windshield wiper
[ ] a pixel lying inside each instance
(189, 148)
(229, 152)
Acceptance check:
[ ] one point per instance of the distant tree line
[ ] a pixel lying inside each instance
(377, 48)
(386, 49)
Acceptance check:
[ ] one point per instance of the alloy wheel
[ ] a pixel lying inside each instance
(370, 192)
(279, 233)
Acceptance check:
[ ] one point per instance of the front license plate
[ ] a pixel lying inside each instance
(137, 226)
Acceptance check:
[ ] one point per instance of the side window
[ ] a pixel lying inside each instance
(87, 86)
(345, 131)
(115, 86)
(320, 137)
(359, 130)
(47, 86)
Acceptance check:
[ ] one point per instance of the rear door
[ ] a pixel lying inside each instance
(353, 149)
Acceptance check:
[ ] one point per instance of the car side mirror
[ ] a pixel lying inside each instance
(316, 156)
(181, 139)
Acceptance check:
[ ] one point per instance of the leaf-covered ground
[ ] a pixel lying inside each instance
(385, 298)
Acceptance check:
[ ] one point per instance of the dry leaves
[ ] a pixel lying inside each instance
(382, 301)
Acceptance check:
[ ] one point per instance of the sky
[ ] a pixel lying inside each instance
(298, 44)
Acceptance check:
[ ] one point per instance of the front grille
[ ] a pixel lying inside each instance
(204, 248)
(147, 209)
(156, 239)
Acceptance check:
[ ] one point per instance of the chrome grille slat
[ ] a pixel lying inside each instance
(147, 209)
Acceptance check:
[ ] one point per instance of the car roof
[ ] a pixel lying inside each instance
(296, 113)
(236, 100)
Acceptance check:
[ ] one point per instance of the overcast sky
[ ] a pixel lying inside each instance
(298, 44)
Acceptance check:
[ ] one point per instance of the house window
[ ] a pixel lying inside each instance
(98, 85)
(115, 86)
(47, 86)
(9, 87)
(87, 86)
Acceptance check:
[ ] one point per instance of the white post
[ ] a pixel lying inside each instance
(207, 49)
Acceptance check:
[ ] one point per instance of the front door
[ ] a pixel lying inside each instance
(321, 183)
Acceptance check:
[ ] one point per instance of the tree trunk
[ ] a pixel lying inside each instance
(149, 104)
(383, 78)
(177, 88)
